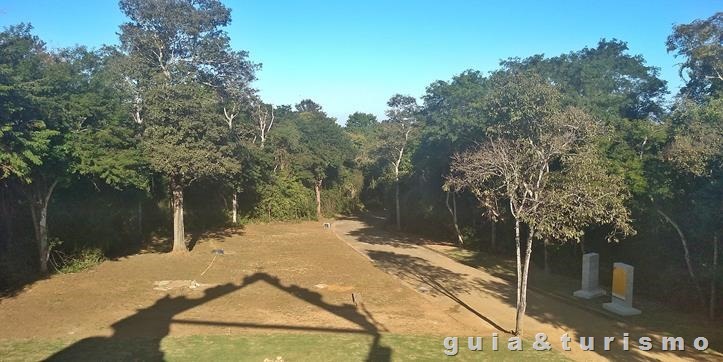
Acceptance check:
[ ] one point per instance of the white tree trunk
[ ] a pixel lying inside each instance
(317, 190)
(522, 304)
(234, 207)
(396, 197)
(40, 199)
(229, 119)
(397, 164)
(453, 211)
(519, 270)
(179, 234)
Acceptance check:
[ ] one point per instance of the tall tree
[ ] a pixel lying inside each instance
(262, 117)
(178, 56)
(395, 137)
(694, 151)
(454, 120)
(700, 43)
(60, 116)
(36, 88)
(540, 160)
(232, 81)
(322, 149)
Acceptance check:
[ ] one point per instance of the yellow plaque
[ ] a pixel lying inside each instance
(619, 281)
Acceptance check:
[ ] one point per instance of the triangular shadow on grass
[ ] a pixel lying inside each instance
(139, 336)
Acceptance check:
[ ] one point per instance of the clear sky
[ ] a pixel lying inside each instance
(353, 55)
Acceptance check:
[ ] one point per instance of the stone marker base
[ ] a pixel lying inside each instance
(589, 294)
(621, 309)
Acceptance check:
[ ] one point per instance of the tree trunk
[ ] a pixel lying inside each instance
(179, 234)
(453, 211)
(686, 255)
(234, 207)
(317, 189)
(396, 198)
(546, 243)
(493, 235)
(40, 199)
(6, 214)
(139, 225)
(711, 310)
(522, 304)
(519, 271)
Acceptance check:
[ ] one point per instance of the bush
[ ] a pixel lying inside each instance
(76, 261)
(340, 200)
(284, 198)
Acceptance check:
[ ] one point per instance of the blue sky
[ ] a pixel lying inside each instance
(353, 55)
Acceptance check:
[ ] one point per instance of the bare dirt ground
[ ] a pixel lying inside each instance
(484, 297)
(274, 277)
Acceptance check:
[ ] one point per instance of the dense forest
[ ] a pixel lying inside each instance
(163, 137)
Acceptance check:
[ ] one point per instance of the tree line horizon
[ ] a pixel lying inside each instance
(164, 134)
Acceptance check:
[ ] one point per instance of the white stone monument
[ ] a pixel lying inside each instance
(622, 292)
(590, 271)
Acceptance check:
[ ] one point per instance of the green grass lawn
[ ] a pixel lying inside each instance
(258, 347)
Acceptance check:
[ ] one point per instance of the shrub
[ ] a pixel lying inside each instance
(284, 198)
(76, 261)
(339, 200)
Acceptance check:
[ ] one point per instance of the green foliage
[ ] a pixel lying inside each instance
(359, 122)
(32, 143)
(397, 134)
(541, 159)
(184, 137)
(111, 154)
(700, 44)
(324, 147)
(33, 90)
(453, 119)
(583, 193)
(284, 198)
(175, 54)
(605, 80)
(308, 106)
(77, 261)
(343, 197)
(696, 137)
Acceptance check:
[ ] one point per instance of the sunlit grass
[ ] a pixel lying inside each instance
(290, 347)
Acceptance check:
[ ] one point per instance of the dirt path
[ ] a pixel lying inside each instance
(476, 297)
